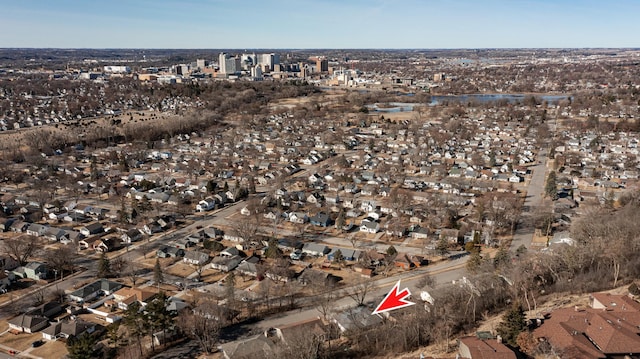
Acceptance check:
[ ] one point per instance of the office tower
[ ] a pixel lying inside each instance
(322, 64)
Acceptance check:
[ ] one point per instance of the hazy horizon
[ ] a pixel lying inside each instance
(319, 24)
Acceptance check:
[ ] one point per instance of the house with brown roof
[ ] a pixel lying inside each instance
(474, 347)
(609, 328)
(125, 296)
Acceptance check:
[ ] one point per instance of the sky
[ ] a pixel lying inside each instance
(316, 24)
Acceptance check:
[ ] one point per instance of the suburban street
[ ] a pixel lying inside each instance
(535, 192)
(443, 273)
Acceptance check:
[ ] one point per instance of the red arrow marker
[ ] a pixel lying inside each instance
(394, 300)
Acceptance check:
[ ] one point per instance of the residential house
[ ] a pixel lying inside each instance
(258, 346)
(32, 270)
(55, 234)
(184, 242)
(406, 261)
(206, 204)
(91, 229)
(369, 227)
(132, 235)
(5, 224)
(18, 226)
(105, 245)
(247, 267)
(92, 290)
(125, 296)
(169, 252)
(225, 263)
(213, 232)
(196, 258)
(66, 329)
(474, 347)
(230, 252)
(36, 230)
(608, 328)
(314, 276)
(8, 263)
(292, 333)
(321, 219)
(288, 244)
(314, 249)
(298, 217)
(28, 323)
(35, 319)
(348, 254)
(420, 233)
(355, 318)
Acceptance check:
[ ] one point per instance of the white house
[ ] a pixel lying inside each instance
(206, 204)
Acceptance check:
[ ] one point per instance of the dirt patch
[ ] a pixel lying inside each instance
(20, 342)
(211, 275)
(180, 269)
(53, 350)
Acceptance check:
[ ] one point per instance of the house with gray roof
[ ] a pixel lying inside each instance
(68, 329)
(355, 318)
(28, 323)
(93, 290)
(196, 257)
(258, 346)
(314, 249)
(226, 263)
(32, 270)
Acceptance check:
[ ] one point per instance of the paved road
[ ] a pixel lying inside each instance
(444, 273)
(535, 193)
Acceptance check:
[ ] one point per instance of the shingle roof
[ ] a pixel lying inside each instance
(595, 333)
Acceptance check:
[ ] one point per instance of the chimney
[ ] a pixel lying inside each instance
(499, 339)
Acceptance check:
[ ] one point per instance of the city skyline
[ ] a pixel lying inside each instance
(320, 24)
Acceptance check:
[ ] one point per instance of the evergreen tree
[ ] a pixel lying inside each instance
(513, 323)
(252, 185)
(502, 258)
(157, 317)
(113, 334)
(104, 266)
(123, 215)
(272, 250)
(93, 167)
(211, 186)
(158, 275)
(551, 187)
(230, 287)
(474, 262)
(81, 347)
(340, 220)
(392, 251)
(338, 257)
(134, 320)
(213, 245)
(442, 247)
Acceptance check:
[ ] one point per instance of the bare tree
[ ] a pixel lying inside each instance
(359, 291)
(246, 229)
(133, 269)
(203, 326)
(21, 248)
(62, 259)
(324, 298)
